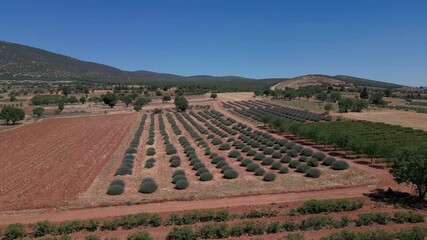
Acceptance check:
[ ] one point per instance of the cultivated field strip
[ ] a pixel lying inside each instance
(58, 158)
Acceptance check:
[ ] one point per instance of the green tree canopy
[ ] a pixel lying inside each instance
(38, 111)
(214, 95)
(166, 98)
(364, 94)
(110, 99)
(181, 103)
(410, 166)
(12, 114)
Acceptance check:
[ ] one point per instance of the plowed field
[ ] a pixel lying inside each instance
(49, 163)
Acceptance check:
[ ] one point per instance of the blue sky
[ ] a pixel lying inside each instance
(383, 40)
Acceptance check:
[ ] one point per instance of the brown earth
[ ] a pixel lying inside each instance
(48, 163)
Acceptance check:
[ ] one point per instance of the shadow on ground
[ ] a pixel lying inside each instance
(397, 198)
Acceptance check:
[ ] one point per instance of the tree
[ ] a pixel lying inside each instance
(159, 93)
(61, 105)
(181, 103)
(359, 105)
(345, 104)
(38, 112)
(257, 93)
(364, 94)
(142, 101)
(328, 107)
(377, 99)
(387, 92)
(12, 114)
(110, 99)
(82, 100)
(290, 94)
(322, 96)
(72, 99)
(335, 96)
(410, 166)
(214, 96)
(166, 98)
(127, 100)
(66, 90)
(13, 98)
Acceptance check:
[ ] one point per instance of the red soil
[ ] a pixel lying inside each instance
(49, 163)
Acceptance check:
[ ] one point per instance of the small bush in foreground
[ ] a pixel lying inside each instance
(313, 173)
(140, 235)
(340, 165)
(268, 177)
(14, 231)
(183, 233)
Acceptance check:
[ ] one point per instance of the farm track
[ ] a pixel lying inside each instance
(42, 176)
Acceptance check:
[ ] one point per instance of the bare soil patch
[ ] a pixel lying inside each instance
(47, 164)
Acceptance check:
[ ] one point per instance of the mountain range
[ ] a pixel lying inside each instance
(24, 62)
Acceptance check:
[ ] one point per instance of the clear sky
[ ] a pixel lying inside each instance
(377, 39)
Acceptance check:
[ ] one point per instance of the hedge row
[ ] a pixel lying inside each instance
(224, 230)
(197, 165)
(128, 160)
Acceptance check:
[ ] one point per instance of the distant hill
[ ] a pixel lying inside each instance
(24, 62)
(310, 80)
(366, 82)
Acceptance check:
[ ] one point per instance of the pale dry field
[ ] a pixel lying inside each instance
(396, 117)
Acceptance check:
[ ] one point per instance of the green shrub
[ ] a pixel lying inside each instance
(319, 206)
(302, 168)
(178, 172)
(252, 167)
(123, 170)
(207, 176)
(268, 177)
(181, 184)
(183, 233)
(115, 190)
(313, 173)
(234, 154)
(259, 172)
(290, 225)
(313, 162)
(328, 161)
(213, 231)
(408, 217)
(294, 163)
(276, 155)
(273, 227)
(251, 152)
(303, 159)
(216, 141)
(14, 231)
(131, 150)
(151, 152)
(283, 170)
(217, 159)
(175, 163)
(367, 219)
(148, 186)
(307, 152)
(224, 146)
(267, 161)
(340, 165)
(231, 174)
(268, 151)
(294, 236)
(201, 170)
(316, 223)
(259, 156)
(245, 162)
(176, 178)
(276, 165)
(140, 235)
(285, 159)
(319, 156)
(292, 153)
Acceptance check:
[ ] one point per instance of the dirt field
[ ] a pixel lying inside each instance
(396, 117)
(47, 164)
